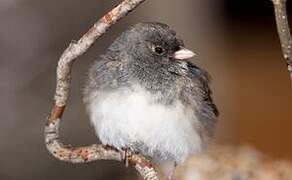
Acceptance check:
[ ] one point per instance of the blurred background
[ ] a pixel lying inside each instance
(236, 41)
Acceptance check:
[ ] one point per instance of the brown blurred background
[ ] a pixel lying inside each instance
(236, 42)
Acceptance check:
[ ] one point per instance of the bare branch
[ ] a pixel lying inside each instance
(284, 32)
(92, 152)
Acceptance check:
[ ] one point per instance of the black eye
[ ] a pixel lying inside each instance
(159, 50)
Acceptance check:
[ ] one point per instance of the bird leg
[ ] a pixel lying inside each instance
(172, 172)
(127, 153)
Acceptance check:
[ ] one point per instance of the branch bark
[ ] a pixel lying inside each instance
(92, 152)
(284, 32)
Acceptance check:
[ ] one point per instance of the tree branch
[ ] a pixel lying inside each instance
(284, 32)
(92, 152)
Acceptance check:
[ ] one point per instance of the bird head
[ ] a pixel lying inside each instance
(151, 45)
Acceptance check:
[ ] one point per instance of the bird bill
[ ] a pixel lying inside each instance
(184, 54)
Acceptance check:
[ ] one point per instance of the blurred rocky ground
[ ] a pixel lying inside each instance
(235, 163)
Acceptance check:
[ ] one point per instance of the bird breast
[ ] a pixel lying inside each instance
(131, 118)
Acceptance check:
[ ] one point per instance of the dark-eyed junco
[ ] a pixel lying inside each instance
(145, 96)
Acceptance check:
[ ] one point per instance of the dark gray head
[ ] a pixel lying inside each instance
(149, 44)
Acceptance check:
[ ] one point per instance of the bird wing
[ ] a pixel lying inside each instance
(202, 79)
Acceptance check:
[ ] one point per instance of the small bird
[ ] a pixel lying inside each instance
(144, 95)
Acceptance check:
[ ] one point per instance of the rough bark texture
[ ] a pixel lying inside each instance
(284, 32)
(92, 152)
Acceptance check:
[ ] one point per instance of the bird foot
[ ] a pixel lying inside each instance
(127, 153)
(172, 172)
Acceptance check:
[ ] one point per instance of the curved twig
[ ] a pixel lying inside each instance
(284, 32)
(92, 152)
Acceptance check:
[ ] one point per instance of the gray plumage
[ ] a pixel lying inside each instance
(162, 84)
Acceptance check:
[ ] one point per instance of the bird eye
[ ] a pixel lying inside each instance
(159, 50)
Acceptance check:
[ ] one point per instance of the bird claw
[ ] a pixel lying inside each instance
(127, 154)
(171, 176)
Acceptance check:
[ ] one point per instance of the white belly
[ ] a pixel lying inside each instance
(124, 119)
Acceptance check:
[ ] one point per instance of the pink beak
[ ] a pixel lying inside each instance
(183, 54)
